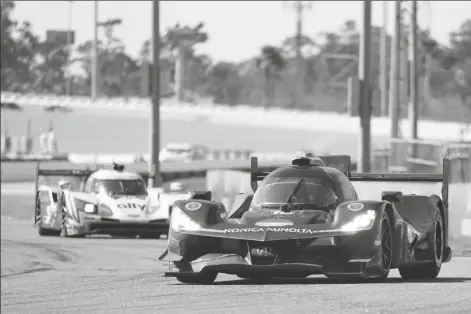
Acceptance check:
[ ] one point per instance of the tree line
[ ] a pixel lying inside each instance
(270, 78)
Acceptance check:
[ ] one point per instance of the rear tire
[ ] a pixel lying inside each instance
(199, 279)
(432, 269)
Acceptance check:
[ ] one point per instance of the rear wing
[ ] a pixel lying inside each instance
(79, 172)
(57, 170)
(444, 178)
(342, 163)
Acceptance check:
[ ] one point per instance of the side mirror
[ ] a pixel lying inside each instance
(392, 196)
(89, 208)
(202, 195)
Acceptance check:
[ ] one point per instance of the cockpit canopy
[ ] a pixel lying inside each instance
(295, 190)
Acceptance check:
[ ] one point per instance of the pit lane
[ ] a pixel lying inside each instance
(99, 274)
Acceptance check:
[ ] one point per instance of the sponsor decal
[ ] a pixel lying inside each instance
(354, 207)
(288, 230)
(131, 206)
(192, 206)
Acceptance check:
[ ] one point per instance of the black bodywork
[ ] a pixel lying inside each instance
(359, 238)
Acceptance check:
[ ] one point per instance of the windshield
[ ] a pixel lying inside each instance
(278, 191)
(123, 187)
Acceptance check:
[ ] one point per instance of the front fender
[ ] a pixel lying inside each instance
(189, 247)
(348, 211)
(363, 244)
(210, 213)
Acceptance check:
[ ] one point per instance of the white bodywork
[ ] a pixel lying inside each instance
(161, 201)
(126, 208)
(176, 152)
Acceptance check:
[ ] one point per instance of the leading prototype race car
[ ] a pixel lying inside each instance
(306, 218)
(105, 201)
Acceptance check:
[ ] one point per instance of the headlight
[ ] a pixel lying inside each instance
(84, 206)
(104, 211)
(179, 221)
(362, 222)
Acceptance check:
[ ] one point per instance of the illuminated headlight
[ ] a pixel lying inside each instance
(179, 221)
(84, 206)
(362, 222)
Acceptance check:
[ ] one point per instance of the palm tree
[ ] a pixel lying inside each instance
(272, 62)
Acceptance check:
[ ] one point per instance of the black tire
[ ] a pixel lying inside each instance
(198, 279)
(386, 246)
(45, 232)
(150, 236)
(255, 277)
(42, 231)
(432, 269)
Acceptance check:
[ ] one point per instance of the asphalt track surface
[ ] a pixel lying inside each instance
(102, 275)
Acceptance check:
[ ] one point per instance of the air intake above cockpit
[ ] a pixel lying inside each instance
(308, 161)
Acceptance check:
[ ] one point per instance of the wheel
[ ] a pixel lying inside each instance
(45, 232)
(39, 225)
(255, 277)
(386, 246)
(432, 269)
(200, 279)
(149, 236)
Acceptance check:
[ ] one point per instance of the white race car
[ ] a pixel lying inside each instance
(183, 152)
(113, 202)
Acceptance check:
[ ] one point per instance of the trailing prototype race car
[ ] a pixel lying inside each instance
(306, 218)
(105, 201)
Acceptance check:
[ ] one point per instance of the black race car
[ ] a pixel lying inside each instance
(306, 219)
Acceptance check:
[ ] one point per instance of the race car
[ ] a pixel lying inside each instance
(182, 152)
(105, 201)
(306, 218)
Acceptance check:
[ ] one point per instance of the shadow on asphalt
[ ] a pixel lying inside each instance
(308, 281)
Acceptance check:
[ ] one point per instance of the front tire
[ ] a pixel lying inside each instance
(386, 246)
(150, 236)
(199, 279)
(432, 269)
(39, 222)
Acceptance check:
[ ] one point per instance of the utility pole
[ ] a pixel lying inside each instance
(299, 7)
(154, 138)
(414, 79)
(364, 75)
(69, 47)
(394, 91)
(384, 60)
(95, 78)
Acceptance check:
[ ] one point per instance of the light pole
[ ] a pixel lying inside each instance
(384, 60)
(154, 138)
(69, 48)
(94, 82)
(364, 75)
(300, 7)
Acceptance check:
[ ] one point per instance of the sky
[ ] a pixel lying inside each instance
(237, 29)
